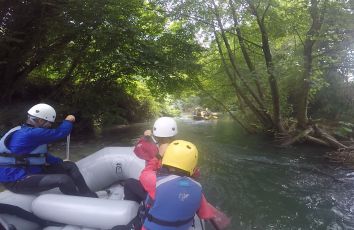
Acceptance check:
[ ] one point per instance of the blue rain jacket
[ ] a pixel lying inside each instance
(27, 139)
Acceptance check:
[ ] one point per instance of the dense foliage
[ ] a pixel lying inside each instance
(109, 61)
(281, 65)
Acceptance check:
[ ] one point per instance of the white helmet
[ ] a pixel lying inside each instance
(43, 111)
(165, 127)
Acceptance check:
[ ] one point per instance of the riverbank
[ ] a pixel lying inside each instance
(14, 115)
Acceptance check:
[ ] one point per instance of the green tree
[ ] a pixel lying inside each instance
(273, 57)
(91, 56)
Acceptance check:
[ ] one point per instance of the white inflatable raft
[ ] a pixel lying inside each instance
(102, 171)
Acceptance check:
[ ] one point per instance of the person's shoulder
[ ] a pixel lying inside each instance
(26, 129)
(22, 128)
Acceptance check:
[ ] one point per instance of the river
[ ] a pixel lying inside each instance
(259, 185)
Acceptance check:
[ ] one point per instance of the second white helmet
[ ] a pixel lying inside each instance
(165, 127)
(43, 111)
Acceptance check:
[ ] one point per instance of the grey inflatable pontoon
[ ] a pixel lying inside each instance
(102, 171)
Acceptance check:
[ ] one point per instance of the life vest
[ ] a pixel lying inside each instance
(35, 157)
(177, 200)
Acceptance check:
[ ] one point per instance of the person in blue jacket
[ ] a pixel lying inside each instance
(25, 164)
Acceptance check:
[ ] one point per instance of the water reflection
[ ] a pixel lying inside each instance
(259, 185)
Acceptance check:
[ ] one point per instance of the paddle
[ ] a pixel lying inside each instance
(67, 148)
(221, 220)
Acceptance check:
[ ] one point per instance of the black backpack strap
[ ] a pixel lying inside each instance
(19, 212)
(21, 160)
(22, 155)
(176, 223)
(134, 224)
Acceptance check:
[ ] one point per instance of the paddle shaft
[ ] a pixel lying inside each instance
(212, 221)
(220, 221)
(68, 147)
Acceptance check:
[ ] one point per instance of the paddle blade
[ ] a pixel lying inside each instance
(221, 220)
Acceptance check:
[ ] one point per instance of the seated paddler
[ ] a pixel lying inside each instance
(26, 166)
(174, 197)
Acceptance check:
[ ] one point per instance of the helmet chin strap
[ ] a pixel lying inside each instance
(31, 120)
(46, 124)
(153, 139)
(36, 122)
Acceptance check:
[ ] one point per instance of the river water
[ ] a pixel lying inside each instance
(256, 183)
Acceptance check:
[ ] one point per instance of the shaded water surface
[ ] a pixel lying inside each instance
(259, 185)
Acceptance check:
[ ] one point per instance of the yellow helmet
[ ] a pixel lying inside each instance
(182, 155)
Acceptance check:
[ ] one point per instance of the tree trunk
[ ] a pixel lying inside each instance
(69, 73)
(262, 113)
(265, 121)
(304, 84)
(246, 56)
(270, 68)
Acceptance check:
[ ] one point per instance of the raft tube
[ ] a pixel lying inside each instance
(84, 211)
